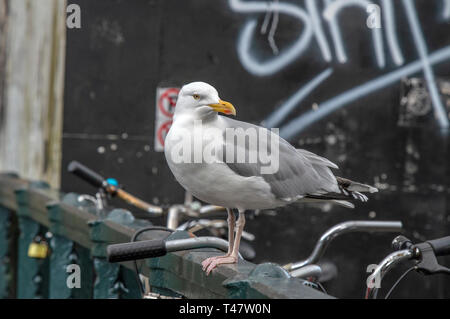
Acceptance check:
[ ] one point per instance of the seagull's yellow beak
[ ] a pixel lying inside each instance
(223, 107)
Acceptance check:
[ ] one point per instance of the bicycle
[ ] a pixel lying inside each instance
(313, 272)
(423, 255)
(297, 269)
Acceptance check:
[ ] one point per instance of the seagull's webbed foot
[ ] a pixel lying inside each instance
(210, 263)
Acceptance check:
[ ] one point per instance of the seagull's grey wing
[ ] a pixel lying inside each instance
(299, 173)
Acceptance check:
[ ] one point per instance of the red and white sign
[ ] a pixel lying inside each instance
(166, 99)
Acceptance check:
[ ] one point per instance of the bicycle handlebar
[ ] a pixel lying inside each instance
(307, 271)
(86, 174)
(441, 246)
(343, 228)
(159, 247)
(99, 181)
(424, 253)
(136, 250)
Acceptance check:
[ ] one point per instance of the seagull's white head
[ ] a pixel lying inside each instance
(202, 97)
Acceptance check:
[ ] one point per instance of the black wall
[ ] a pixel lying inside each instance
(389, 136)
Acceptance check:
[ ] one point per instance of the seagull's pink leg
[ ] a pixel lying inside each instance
(233, 257)
(231, 222)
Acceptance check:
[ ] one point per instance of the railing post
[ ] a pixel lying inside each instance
(66, 259)
(6, 266)
(32, 274)
(242, 287)
(161, 277)
(112, 280)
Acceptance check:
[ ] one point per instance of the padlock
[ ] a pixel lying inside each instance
(38, 248)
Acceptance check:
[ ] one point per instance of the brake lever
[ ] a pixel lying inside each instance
(428, 263)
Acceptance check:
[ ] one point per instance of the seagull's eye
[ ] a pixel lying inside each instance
(196, 97)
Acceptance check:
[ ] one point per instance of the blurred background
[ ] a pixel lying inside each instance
(95, 81)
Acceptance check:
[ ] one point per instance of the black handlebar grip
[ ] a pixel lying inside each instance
(86, 174)
(441, 246)
(136, 250)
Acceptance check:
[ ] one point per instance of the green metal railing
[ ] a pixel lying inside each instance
(76, 236)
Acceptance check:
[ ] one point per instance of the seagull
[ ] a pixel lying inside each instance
(239, 172)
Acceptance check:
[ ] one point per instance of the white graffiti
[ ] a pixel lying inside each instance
(281, 113)
(273, 28)
(297, 125)
(446, 10)
(286, 56)
(312, 28)
(391, 31)
(311, 5)
(423, 53)
(330, 14)
(374, 19)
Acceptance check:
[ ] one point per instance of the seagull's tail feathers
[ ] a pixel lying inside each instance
(349, 190)
(351, 186)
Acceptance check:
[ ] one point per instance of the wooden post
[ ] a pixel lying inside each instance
(3, 20)
(31, 111)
